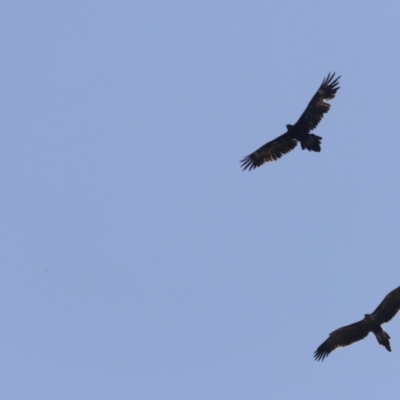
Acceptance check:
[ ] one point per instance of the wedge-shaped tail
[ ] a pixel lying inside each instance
(312, 143)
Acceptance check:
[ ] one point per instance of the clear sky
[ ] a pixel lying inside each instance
(138, 261)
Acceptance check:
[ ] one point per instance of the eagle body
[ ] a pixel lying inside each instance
(300, 131)
(307, 140)
(350, 334)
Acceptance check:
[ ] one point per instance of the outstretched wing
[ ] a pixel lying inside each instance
(318, 106)
(389, 307)
(269, 152)
(342, 337)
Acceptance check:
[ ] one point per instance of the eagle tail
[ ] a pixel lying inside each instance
(383, 339)
(312, 143)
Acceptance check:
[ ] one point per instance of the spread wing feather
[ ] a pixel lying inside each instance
(389, 307)
(270, 151)
(318, 106)
(342, 337)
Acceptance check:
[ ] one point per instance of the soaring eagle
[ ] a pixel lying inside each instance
(359, 330)
(300, 131)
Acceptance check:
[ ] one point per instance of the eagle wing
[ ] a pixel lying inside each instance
(318, 106)
(270, 151)
(342, 337)
(389, 307)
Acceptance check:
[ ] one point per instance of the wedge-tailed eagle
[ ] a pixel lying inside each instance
(371, 323)
(300, 131)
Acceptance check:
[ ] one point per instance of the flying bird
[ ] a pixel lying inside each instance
(300, 131)
(371, 323)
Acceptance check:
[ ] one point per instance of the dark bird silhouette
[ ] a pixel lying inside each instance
(371, 323)
(300, 131)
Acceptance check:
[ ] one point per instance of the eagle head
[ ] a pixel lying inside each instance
(368, 317)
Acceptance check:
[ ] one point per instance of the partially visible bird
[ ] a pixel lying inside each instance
(359, 330)
(300, 131)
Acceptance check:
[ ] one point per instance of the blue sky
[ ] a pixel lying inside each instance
(138, 261)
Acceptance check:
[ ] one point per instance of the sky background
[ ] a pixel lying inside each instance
(138, 261)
